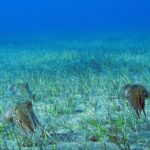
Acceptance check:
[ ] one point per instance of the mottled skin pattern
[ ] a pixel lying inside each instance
(23, 116)
(136, 95)
(25, 113)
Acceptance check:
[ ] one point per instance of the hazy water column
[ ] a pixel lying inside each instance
(29, 16)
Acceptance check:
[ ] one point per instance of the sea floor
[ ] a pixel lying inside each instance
(78, 92)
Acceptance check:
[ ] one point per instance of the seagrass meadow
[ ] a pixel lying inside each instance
(78, 91)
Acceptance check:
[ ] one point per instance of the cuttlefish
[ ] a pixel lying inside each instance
(23, 116)
(136, 94)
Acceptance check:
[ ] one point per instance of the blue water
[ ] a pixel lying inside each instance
(73, 60)
(45, 17)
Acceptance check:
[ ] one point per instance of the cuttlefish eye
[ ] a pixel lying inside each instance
(29, 104)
